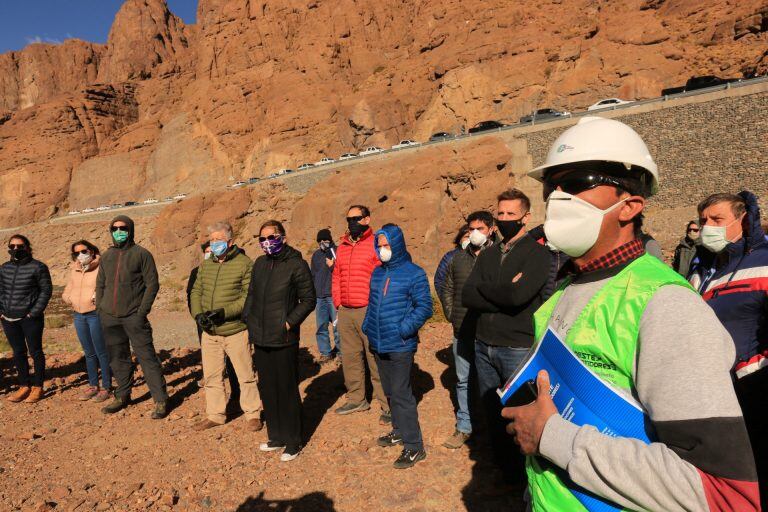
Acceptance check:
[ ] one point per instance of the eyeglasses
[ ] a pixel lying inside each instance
(119, 228)
(84, 251)
(16, 246)
(576, 182)
(356, 218)
(270, 238)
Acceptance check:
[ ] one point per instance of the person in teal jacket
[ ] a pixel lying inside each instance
(400, 304)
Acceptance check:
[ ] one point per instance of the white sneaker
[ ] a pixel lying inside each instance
(287, 457)
(270, 446)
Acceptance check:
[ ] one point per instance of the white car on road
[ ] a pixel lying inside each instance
(88, 210)
(180, 196)
(73, 212)
(103, 208)
(151, 200)
(608, 103)
(405, 144)
(371, 151)
(305, 166)
(325, 161)
(239, 184)
(347, 156)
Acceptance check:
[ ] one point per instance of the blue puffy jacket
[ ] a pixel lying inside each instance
(442, 270)
(400, 301)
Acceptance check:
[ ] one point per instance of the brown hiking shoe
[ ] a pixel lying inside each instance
(254, 424)
(88, 393)
(35, 395)
(456, 440)
(204, 425)
(19, 395)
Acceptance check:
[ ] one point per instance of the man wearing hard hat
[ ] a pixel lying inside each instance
(645, 333)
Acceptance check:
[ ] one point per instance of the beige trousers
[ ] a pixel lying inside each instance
(354, 354)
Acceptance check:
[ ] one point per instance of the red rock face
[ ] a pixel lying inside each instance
(256, 86)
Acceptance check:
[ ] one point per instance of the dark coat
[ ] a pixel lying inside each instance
(281, 290)
(442, 270)
(685, 252)
(321, 272)
(25, 288)
(456, 276)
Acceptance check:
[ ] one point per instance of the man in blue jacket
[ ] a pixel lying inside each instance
(399, 305)
(732, 276)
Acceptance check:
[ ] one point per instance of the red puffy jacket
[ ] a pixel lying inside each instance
(353, 269)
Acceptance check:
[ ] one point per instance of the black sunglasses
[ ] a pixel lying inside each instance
(693, 230)
(119, 228)
(270, 237)
(16, 246)
(84, 251)
(356, 218)
(577, 182)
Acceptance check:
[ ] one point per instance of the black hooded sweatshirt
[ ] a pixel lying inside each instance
(127, 281)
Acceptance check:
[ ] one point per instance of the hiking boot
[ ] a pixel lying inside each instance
(35, 395)
(290, 453)
(101, 396)
(349, 408)
(408, 458)
(385, 418)
(254, 424)
(457, 440)
(389, 440)
(19, 395)
(204, 425)
(116, 405)
(88, 393)
(160, 411)
(271, 446)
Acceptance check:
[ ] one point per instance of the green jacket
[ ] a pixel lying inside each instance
(223, 285)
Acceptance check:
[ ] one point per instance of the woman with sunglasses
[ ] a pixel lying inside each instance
(25, 289)
(281, 295)
(80, 293)
(685, 252)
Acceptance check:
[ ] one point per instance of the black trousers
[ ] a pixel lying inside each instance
(752, 392)
(234, 385)
(26, 338)
(278, 371)
(395, 372)
(132, 332)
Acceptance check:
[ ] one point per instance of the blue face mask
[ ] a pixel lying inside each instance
(218, 248)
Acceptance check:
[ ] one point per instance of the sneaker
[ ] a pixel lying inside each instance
(349, 408)
(271, 446)
(385, 418)
(88, 393)
(19, 395)
(408, 458)
(388, 440)
(289, 454)
(160, 411)
(101, 396)
(114, 406)
(457, 440)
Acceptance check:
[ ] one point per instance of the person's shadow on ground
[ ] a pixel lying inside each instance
(312, 502)
(321, 394)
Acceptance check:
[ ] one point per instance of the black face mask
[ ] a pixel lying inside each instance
(509, 228)
(356, 229)
(18, 254)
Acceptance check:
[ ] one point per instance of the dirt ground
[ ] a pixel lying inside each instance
(62, 454)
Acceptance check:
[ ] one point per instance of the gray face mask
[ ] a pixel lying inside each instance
(84, 259)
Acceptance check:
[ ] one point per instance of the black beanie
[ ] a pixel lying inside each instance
(324, 234)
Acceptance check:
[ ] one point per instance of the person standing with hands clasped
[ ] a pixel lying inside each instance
(280, 297)
(323, 261)
(400, 304)
(619, 312)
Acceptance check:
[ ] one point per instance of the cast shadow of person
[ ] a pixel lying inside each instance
(312, 502)
(321, 394)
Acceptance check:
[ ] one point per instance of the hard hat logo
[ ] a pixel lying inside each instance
(563, 147)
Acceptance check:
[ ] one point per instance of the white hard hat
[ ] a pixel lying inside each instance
(603, 140)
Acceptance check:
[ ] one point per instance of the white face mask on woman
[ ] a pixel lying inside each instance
(572, 225)
(84, 259)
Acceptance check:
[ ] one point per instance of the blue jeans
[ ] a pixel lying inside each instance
(464, 358)
(494, 366)
(88, 328)
(325, 313)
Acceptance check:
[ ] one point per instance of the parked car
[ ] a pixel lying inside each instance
(305, 166)
(73, 212)
(116, 205)
(151, 200)
(180, 196)
(436, 137)
(608, 103)
(484, 126)
(88, 210)
(347, 156)
(253, 180)
(102, 208)
(239, 184)
(273, 175)
(282, 172)
(372, 150)
(131, 203)
(405, 143)
(167, 199)
(324, 161)
(543, 114)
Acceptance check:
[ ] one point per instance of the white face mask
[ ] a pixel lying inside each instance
(714, 237)
(572, 225)
(84, 259)
(464, 244)
(477, 238)
(385, 254)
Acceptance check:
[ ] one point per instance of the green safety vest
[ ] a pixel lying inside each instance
(604, 336)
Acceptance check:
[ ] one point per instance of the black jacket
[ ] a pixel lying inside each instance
(505, 306)
(321, 272)
(281, 290)
(685, 253)
(25, 288)
(127, 281)
(456, 275)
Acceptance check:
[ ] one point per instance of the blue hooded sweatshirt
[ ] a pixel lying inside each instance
(400, 301)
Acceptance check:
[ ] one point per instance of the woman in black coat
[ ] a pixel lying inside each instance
(25, 289)
(280, 297)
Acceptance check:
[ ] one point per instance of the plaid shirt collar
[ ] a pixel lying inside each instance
(620, 255)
